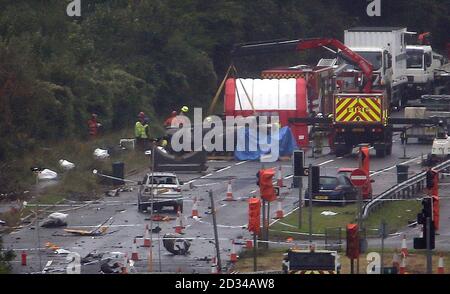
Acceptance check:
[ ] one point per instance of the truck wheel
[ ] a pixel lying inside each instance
(380, 153)
(389, 150)
(141, 208)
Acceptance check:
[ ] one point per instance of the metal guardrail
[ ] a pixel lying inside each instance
(404, 190)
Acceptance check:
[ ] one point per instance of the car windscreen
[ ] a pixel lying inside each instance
(162, 180)
(327, 183)
(414, 58)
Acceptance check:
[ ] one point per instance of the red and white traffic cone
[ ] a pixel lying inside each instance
(404, 250)
(229, 192)
(24, 258)
(249, 244)
(403, 265)
(195, 209)
(214, 266)
(279, 177)
(134, 253)
(179, 224)
(233, 256)
(440, 269)
(147, 242)
(279, 213)
(396, 260)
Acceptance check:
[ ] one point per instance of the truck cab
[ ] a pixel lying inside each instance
(385, 48)
(421, 63)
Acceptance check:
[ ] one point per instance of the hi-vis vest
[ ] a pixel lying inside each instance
(139, 131)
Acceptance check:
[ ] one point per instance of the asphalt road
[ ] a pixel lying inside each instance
(128, 223)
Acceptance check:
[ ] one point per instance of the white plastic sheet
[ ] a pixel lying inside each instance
(101, 153)
(47, 174)
(67, 165)
(58, 215)
(328, 213)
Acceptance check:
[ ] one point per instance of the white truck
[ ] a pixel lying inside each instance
(422, 64)
(385, 48)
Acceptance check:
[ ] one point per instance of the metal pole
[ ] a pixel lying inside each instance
(216, 237)
(359, 223)
(150, 265)
(300, 201)
(310, 201)
(429, 252)
(383, 235)
(264, 222)
(267, 224)
(255, 268)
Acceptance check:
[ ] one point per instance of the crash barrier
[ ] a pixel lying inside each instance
(404, 190)
(193, 161)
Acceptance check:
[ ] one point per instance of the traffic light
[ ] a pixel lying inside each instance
(299, 159)
(315, 175)
(427, 212)
(254, 214)
(352, 251)
(266, 184)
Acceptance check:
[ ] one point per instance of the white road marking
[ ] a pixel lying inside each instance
(241, 162)
(392, 167)
(205, 176)
(222, 169)
(288, 177)
(323, 163)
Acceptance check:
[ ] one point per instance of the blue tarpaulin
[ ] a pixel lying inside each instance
(286, 143)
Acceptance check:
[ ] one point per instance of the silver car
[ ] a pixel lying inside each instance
(166, 192)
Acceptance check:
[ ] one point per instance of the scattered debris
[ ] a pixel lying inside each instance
(47, 174)
(62, 251)
(66, 165)
(2, 223)
(112, 193)
(107, 268)
(52, 246)
(101, 153)
(175, 245)
(328, 213)
(160, 218)
(55, 220)
(98, 231)
(126, 189)
(156, 230)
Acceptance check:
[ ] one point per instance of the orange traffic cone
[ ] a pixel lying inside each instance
(229, 192)
(395, 260)
(195, 209)
(179, 224)
(279, 213)
(404, 250)
(279, 177)
(233, 256)
(403, 265)
(214, 266)
(440, 269)
(24, 258)
(249, 244)
(147, 242)
(134, 253)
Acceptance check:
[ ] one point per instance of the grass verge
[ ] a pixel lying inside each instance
(397, 214)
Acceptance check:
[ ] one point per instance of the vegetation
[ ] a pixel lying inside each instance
(5, 257)
(396, 214)
(125, 56)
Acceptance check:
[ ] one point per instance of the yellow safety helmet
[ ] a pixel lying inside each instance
(185, 109)
(163, 143)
